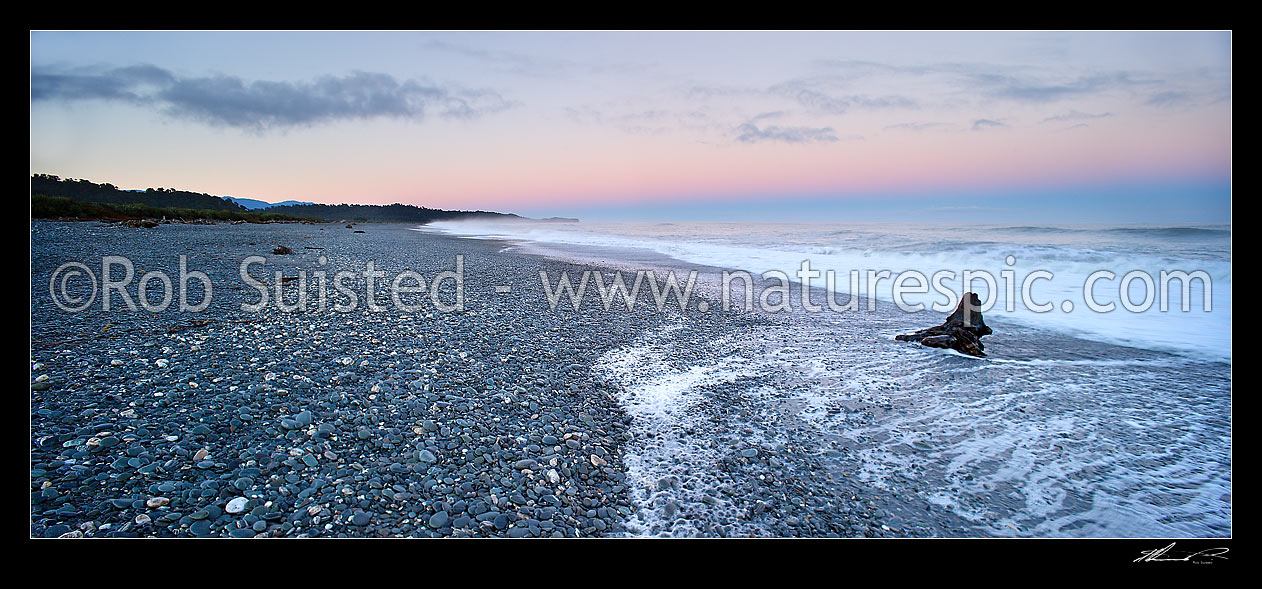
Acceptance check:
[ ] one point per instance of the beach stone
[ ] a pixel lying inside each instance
(236, 505)
(56, 530)
(200, 528)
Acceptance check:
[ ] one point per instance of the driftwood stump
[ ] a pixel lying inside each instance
(962, 331)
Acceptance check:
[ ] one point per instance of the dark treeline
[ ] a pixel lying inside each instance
(395, 213)
(60, 207)
(168, 198)
(87, 191)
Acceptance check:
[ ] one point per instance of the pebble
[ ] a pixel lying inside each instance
(236, 505)
(200, 528)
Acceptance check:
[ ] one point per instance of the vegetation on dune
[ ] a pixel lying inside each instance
(60, 207)
(55, 197)
(88, 191)
(393, 213)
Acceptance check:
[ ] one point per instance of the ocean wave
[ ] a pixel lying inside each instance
(759, 247)
(1166, 232)
(1172, 231)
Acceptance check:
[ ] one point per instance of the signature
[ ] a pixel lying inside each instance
(1164, 555)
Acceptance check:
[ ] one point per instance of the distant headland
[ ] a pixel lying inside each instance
(53, 197)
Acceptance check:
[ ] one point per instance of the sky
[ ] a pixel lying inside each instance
(608, 125)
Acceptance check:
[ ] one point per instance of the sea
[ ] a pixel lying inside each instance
(1102, 408)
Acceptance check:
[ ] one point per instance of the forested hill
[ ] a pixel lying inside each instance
(87, 191)
(395, 213)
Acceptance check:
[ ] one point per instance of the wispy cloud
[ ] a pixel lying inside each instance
(258, 105)
(828, 95)
(752, 133)
(531, 65)
(1074, 115)
(916, 127)
(1018, 83)
(1169, 98)
(981, 124)
(1030, 88)
(839, 88)
(646, 121)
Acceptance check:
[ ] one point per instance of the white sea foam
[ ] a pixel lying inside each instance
(1107, 447)
(671, 462)
(1071, 254)
(1127, 444)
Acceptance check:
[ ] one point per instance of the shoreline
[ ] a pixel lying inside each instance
(904, 502)
(1100, 328)
(709, 287)
(569, 422)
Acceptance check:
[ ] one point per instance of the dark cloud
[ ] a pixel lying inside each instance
(127, 83)
(981, 124)
(751, 133)
(233, 102)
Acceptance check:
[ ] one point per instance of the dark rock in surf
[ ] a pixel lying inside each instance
(962, 331)
(282, 251)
